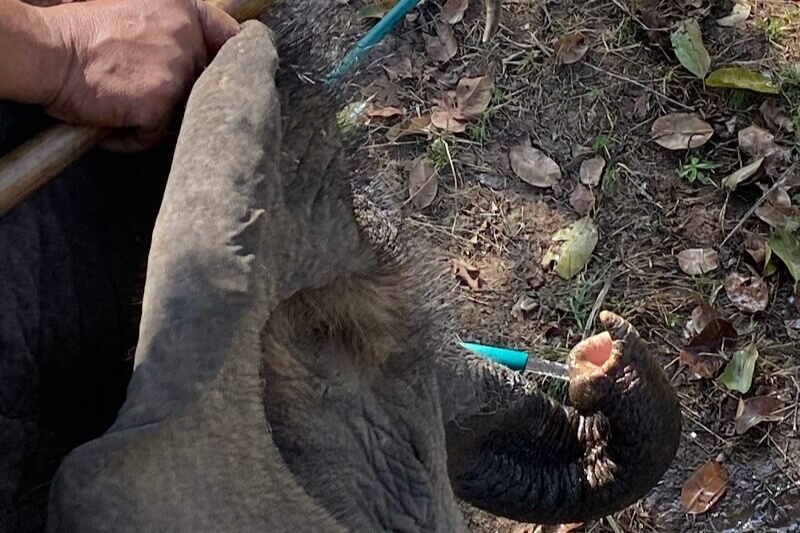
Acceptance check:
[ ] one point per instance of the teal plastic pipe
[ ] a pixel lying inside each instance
(373, 37)
(513, 359)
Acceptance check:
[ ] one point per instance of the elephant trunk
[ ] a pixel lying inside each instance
(530, 459)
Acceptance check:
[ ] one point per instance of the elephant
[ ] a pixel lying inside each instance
(295, 367)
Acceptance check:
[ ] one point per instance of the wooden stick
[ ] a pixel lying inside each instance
(45, 156)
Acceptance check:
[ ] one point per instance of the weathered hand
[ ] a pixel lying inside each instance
(130, 62)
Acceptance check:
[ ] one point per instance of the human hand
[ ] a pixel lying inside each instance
(130, 62)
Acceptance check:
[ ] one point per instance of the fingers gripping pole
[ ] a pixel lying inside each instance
(45, 156)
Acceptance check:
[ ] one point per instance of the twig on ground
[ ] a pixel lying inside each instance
(641, 86)
(756, 205)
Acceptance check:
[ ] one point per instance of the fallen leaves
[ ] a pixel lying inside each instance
(571, 248)
(680, 131)
(753, 411)
(704, 488)
(775, 115)
(777, 210)
(754, 140)
(755, 245)
(442, 46)
(473, 95)
(375, 111)
(571, 48)
(701, 355)
(743, 174)
(738, 374)
(412, 127)
(592, 170)
(739, 13)
(376, 9)
(749, 293)
(448, 118)
(742, 78)
(466, 273)
(697, 261)
(453, 11)
(423, 183)
(687, 42)
(582, 200)
(787, 248)
(533, 166)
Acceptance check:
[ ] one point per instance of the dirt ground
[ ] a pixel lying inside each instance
(604, 105)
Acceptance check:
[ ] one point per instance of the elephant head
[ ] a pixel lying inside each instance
(294, 371)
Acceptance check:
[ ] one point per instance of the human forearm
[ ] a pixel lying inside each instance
(33, 62)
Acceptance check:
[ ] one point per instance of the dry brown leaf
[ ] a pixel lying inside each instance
(759, 142)
(592, 170)
(538, 528)
(775, 115)
(697, 261)
(756, 141)
(453, 11)
(533, 166)
(704, 488)
(777, 209)
(743, 174)
(443, 46)
(446, 117)
(473, 95)
(376, 9)
(415, 126)
(701, 316)
(655, 21)
(756, 245)
(701, 366)
(571, 48)
(739, 13)
(748, 293)
(400, 69)
(701, 354)
(467, 274)
(641, 107)
(423, 183)
(680, 131)
(376, 111)
(582, 200)
(753, 411)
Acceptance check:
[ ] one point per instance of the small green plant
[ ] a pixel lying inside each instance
(625, 33)
(602, 143)
(670, 74)
(771, 27)
(740, 100)
(595, 94)
(704, 285)
(697, 170)
(441, 150)
(671, 320)
(530, 62)
(580, 303)
(609, 183)
(478, 132)
(790, 80)
(790, 73)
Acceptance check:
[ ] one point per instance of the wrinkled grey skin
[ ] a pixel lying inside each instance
(220, 433)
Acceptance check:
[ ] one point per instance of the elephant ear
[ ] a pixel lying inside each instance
(191, 449)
